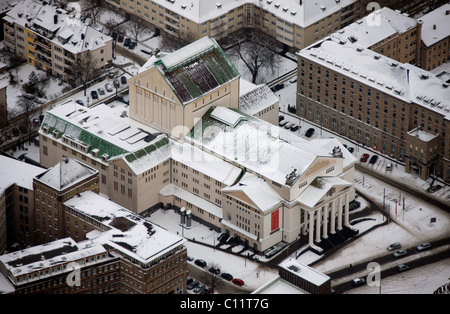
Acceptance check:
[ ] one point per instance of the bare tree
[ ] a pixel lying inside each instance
(256, 51)
(112, 26)
(171, 43)
(85, 69)
(214, 275)
(27, 104)
(135, 27)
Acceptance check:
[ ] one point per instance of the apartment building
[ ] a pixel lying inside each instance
(16, 202)
(377, 102)
(52, 188)
(295, 24)
(52, 39)
(435, 37)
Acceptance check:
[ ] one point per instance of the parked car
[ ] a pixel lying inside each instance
(101, 91)
(94, 94)
(238, 281)
(189, 280)
(351, 149)
(280, 118)
(310, 132)
(123, 80)
(206, 291)
(126, 42)
(200, 262)
(278, 87)
(358, 282)
(114, 35)
(389, 166)
(214, 270)
(80, 102)
(283, 123)
(226, 276)
(108, 87)
(288, 125)
(116, 83)
(120, 38)
(373, 159)
(400, 253)
(132, 45)
(402, 267)
(199, 288)
(190, 259)
(424, 246)
(294, 128)
(364, 157)
(394, 246)
(192, 285)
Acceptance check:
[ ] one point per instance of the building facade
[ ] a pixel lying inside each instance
(295, 24)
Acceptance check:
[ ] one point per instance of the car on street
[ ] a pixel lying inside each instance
(238, 281)
(192, 285)
(294, 128)
(206, 291)
(400, 253)
(226, 276)
(199, 288)
(116, 83)
(358, 282)
(200, 262)
(94, 94)
(123, 80)
(101, 91)
(394, 246)
(132, 45)
(309, 132)
(373, 159)
(280, 118)
(214, 270)
(424, 246)
(80, 102)
(126, 42)
(351, 149)
(108, 87)
(120, 38)
(402, 267)
(364, 157)
(389, 166)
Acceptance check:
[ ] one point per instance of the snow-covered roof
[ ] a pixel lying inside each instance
(105, 128)
(440, 18)
(255, 145)
(256, 192)
(375, 28)
(63, 29)
(65, 174)
(13, 171)
(401, 80)
(422, 134)
(318, 188)
(299, 269)
(255, 98)
(129, 233)
(303, 13)
(53, 257)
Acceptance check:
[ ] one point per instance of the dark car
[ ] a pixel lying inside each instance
(120, 38)
(280, 118)
(114, 35)
(94, 94)
(80, 102)
(127, 42)
(310, 132)
(278, 87)
(200, 262)
(214, 270)
(364, 157)
(373, 159)
(192, 285)
(402, 267)
(226, 276)
(351, 149)
(116, 83)
(123, 80)
(294, 128)
(132, 45)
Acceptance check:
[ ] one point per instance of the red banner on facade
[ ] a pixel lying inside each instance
(275, 220)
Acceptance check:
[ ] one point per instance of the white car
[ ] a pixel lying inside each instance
(394, 246)
(424, 246)
(400, 253)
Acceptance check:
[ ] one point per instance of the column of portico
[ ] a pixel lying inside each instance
(318, 227)
(333, 218)
(339, 222)
(347, 211)
(311, 228)
(325, 222)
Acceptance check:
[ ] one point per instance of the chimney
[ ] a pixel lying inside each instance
(55, 18)
(434, 26)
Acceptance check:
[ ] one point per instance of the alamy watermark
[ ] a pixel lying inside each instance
(74, 277)
(373, 19)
